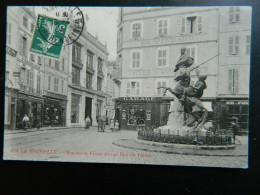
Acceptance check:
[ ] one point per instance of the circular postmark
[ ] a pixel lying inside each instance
(74, 26)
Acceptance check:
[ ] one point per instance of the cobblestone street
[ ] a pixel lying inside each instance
(88, 145)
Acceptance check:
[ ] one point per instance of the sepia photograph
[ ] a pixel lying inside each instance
(128, 85)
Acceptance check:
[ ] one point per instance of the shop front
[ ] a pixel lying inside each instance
(31, 106)
(231, 110)
(132, 112)
(55, 110)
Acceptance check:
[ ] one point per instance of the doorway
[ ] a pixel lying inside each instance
(12, 119)
(88, 108)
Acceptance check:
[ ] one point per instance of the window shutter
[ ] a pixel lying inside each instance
(236, 44)
(32, 81)
(21, 43)
(128, 89)
(237, 14)
(28, 77)
(230, 83)
(231, 15)
(183, 25)
(236, 80)
(192, 52)
(230, 45)
(199, 24)
(57, 85)
(188, 52)
(137, 88)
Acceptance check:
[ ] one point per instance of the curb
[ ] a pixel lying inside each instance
(11, 132)
(183, 146)
(178, 151)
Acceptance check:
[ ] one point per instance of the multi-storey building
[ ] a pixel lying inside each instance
(23, 74)
(149, 44)
(86, 80)
(56, 92)
(234, 60)
(112, 88)
(55, 88)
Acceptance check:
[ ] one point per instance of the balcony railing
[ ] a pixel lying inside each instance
(30, 90)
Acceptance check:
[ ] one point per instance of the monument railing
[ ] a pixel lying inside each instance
(211, 138)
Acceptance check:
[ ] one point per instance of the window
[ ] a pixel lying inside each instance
(234, 14)
(162, 27)
(49, 62)
(136, 59)
(99, 84)
(62, 86)
(39, 60)
(76, 52)
(233, 81)
(100, 62)
(32, 27)
(56, 84)
(57, 64)
(233, 45)
(162, 57)
(75, 75)
(24, 46)
(9, 31)
(89, 59)
(63, 64)
(133, 88)
(161, 84)
(88, 80)
(32, 57)
(30, 78)
(192, 24)
(38, 82)
(248, 39)
(25, 22)
(49, 82)
(136, 30)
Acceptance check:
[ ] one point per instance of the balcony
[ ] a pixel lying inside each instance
(30, 90)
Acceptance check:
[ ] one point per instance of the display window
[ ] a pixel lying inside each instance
(136, 115)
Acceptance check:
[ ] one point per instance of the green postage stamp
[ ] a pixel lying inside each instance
(48, 37)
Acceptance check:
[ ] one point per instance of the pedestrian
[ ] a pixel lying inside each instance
(25, 121)
(87, 122)
(235, 128)
(38, 122)
(103, 123)
(116, 126)
(99, 121)
(112, 124)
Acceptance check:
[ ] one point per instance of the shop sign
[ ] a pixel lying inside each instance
(11, 51)
(169, 40)
(237, 103)
(137, 98)
(168, 71)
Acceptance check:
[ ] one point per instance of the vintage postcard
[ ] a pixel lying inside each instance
(136, 85)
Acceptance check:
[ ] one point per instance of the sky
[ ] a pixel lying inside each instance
(102, 21)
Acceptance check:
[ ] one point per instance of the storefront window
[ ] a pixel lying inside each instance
(75, 100)
(136, 115)
(239, 114)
